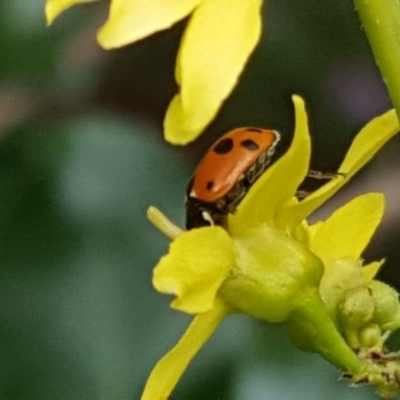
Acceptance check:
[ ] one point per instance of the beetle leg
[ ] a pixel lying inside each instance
(323, 175)
(319, 175)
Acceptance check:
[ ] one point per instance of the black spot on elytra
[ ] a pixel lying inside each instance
(224, 146)
(210, 185)
(249, 144)
(254, 130)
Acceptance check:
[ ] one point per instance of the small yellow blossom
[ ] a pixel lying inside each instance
(218, 40)
(269, 263)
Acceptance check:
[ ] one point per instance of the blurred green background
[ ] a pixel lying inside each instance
(82, 157)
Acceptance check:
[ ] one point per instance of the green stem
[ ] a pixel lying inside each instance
(381, 21)
(311, 329)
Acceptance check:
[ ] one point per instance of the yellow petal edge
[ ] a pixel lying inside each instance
(215, 47)
(170, 368)
(198, 262)
(54, 8)
(130, 21)
(347, 232)
(366, 144)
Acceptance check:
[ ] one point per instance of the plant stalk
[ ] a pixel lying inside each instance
(381, 22)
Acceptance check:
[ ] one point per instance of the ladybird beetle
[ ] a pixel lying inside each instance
(225, 174)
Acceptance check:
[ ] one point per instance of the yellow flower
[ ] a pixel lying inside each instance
(218, 40)
(270, 264)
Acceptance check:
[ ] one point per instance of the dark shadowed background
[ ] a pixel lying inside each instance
(82, 157)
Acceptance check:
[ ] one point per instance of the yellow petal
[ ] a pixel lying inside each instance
(170, 368)
(313, 229)
(347, 232)
(132, 20)
(370, 270)
(215, 47)
(279, 183)
(198, 262)
(54, 8)
(370, 139)
(366, 144)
